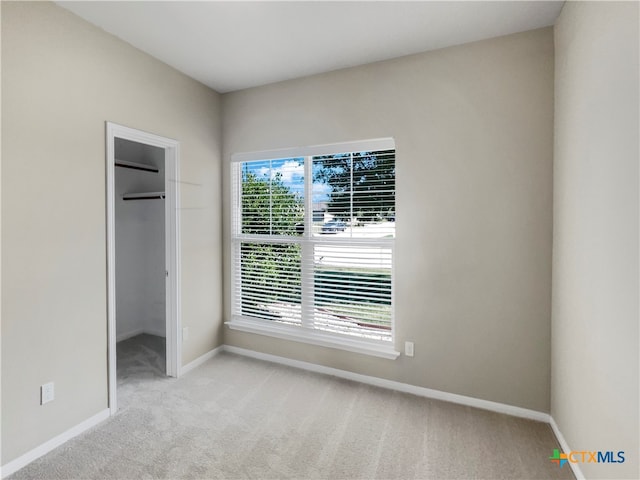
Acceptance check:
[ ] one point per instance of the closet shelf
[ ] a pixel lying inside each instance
(143, 196)
(136, 166)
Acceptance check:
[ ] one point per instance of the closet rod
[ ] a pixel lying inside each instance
(136, 166)
(144, 196)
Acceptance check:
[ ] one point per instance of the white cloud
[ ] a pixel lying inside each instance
(291, 171)
(321, 189)
(262, 172)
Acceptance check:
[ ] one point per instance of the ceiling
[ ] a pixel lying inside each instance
(231, 45)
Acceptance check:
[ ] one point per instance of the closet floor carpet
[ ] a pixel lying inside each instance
(141, 362)
(238, 418)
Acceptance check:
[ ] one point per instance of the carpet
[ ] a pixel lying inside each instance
(240, 418)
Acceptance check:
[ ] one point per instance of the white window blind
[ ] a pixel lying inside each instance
(312, 240)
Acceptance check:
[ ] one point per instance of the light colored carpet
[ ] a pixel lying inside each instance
(141, 362)
(238, 418)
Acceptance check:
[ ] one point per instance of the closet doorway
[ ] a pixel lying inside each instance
(143, 265)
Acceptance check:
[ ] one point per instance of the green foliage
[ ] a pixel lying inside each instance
(270, 271)
(269, 207)
(362, 184)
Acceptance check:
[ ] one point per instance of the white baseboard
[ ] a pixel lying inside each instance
(393, 385)
(158, 332)
(200, 360)
(127, 335)
(565, 448)
(140, 331)
(30, 456)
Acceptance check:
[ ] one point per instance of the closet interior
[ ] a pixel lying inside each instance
(140, 259)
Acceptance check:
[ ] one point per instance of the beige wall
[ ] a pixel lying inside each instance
(595, 247)
(62, 78)
(473, 127)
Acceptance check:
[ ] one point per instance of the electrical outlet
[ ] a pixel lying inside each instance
(408, 349)
(46, 393)
(185, 334)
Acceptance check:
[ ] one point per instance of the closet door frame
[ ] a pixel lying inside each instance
(172, 248)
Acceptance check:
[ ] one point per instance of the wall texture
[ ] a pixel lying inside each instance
(473, 127)
(62, 78)
(595, 244)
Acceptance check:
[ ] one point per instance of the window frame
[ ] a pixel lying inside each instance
(303, 333)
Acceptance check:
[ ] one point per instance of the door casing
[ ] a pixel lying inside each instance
(172, 249)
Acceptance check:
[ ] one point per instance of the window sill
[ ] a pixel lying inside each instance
(314, 337)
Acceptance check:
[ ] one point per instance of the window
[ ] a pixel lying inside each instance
(312, 245)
